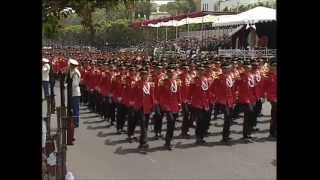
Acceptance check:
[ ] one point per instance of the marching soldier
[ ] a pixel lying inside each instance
(247, 99)
(217, 108)
(258, 92)
(170, 101)
(158, 77)
(144, 105)
(117, 91)
(271, 94)
(199, 96)
(185, 97)
(225, 97)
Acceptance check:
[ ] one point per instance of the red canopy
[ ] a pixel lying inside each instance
(166, 19)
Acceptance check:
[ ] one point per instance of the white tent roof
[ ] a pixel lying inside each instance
(255, 15)
(196, 20)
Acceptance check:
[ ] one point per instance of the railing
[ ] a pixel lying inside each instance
(247, 53)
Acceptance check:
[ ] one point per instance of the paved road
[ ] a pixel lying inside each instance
(99, 153)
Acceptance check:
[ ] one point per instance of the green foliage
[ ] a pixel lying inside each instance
(179, 7)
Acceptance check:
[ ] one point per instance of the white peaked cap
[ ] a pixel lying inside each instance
(45, 60)
(74, 62)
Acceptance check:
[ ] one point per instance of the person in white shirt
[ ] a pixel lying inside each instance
(45, 77)
(75, 99)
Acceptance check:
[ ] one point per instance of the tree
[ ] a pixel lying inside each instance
(163, 7)
(179, 7)
(226, 9)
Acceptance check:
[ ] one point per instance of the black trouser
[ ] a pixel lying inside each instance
(273, 123)
(186, 118)
(249, 118)
(158, 116)
(91, 100)
(121, 114)
(171, 120)
(99, 102)
(201, 120)
(109, 109)
(228, 111)
(192, 116)
(105, 107)
(52, 83)
(82, 93)
(257, 111)
(208, 117)
(236, 110)
(133, 119)
(143, 122)
(258, 106)
(217, 110)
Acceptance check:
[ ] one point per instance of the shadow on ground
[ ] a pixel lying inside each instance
(122, 151)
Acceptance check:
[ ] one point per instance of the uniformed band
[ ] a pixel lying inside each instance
(134, 88)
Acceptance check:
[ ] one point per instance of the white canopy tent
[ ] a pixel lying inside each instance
(196, 20)
(252, 16)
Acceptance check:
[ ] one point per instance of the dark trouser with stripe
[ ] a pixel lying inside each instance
(91, 100)
(158, 116)
(257, 110)
(208, 117)
(109, 109)
(171, 120)
(217, 110)
(236, 111)
(249, 118)
(121, 114)
(201, 120)
(192, 115)
(85, 96)
(228, 112)
(273, 123)
(82, 89)
(186, 119)
(99, 102)
(133, 119)
(143, 122)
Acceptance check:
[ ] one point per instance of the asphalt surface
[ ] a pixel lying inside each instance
(99, 153)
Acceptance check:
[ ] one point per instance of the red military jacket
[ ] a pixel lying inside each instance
(199, 93)
(119, 89)
(90, 79)
(246, 88)
(156, 79)
(270, 87)
(185, 87)
(170, 96)
(96, 80)
(129, 92)
(259, 87)
(224, 90)
(102, 84)
(55, 65)
(144, 96)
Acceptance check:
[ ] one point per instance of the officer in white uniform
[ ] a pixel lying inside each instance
(45, 77)
(75, 99)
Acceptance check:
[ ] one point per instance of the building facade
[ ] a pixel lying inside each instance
(208, 5)
(236, 3)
